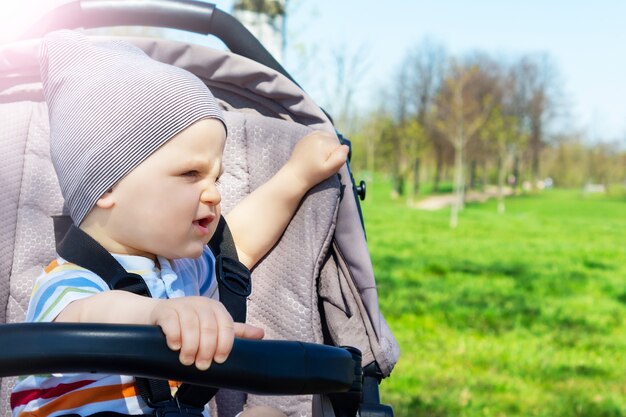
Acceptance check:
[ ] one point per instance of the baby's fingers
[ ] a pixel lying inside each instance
(225, 334)
(209, 333)
(248, 331)
(171, 328)
(338, 157)
(190, 324)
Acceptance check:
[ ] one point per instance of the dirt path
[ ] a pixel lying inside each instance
(437, 202)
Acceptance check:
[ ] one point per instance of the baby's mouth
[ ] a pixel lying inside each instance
(202, 225)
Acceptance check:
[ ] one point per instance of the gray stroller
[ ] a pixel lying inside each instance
(314, 293)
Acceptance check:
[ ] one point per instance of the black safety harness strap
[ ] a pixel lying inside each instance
(234, 286)
(233, 277)
(81, 249)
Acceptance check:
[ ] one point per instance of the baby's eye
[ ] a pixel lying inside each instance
(192, 173)
(217, 180)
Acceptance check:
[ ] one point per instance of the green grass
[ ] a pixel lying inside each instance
(521, 314)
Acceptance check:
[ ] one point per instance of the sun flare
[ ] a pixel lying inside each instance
(17, 16)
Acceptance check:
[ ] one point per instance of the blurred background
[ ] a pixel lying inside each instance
(492, 139)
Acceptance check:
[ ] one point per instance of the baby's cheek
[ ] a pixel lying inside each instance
(212, 230)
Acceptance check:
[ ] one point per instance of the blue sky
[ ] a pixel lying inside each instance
(585, 40)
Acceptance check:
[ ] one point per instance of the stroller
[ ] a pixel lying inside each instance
(313, 292)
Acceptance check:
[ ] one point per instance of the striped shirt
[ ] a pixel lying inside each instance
(63, 282)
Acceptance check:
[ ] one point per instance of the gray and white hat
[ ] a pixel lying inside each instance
(110, 107)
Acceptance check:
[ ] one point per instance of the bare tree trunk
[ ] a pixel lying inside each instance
(516, 173)
(397, 182)
(415, 186)
(484, 179)
(535, 151)
(459, 184)
(472, 175)
(501, 179)
(416, 176)
(464, 118)
(438, 168)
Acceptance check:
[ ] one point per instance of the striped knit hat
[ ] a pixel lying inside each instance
(110, 107)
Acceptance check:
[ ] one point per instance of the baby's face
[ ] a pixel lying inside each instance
(169, 204)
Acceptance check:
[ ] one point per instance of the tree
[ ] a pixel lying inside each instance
(566, 161)
(572, 163)
(415, 143)
(266, 19)
(371, 141)
(461, 111)
(503, 133)
(272, 8)
(605, 165)
(425, 66)
(536, 95)
(505, 130)
(398, 106)
(487, 82)
(389, 155)
(349, 69)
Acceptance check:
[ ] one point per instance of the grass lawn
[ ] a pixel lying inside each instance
(521, 314)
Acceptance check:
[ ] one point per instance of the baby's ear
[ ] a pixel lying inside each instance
(107, 200)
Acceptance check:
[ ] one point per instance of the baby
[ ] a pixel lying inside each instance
(137, 147)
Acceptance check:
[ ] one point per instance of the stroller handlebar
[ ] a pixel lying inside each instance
(255, 366)
(187, 15)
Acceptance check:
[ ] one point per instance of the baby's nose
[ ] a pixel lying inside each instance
(211, 195)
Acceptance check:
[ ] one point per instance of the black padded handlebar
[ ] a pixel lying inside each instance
(261, 366)
(188, 15)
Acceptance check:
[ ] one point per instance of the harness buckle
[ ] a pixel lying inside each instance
(233, 275)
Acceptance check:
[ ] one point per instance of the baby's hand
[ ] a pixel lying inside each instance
(316, 157)
(200, 328)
